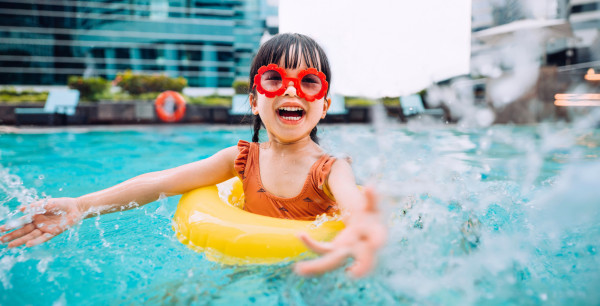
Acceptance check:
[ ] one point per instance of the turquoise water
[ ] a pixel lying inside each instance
(501, 215)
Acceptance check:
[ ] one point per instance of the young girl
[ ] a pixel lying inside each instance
(289, 81)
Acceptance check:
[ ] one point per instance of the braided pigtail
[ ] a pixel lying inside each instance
(257, 124)
(313, 135)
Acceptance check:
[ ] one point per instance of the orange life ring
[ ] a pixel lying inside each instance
(161, 103)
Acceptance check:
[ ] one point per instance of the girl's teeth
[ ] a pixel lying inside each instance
(290, 109)
(299, 111)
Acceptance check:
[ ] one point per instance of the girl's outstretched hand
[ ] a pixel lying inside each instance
(363, 236)
(49, 218)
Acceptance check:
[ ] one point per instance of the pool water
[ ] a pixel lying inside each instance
(495, 215)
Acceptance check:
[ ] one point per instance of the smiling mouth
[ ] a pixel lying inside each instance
(291, 113)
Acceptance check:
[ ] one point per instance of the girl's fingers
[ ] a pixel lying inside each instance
(41, 239)
(371, 199)
(15, 224)
(323, 264)
(315, 246)
(364, 260)
(34, 234)
(28, 228)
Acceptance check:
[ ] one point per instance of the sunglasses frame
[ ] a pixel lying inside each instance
(286, 81)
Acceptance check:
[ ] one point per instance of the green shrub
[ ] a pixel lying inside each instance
(8, 91)
(90, 89)
(124, 96)
(355, 101)
(240, 87)
(41, 97)
(212, 100)
(11, 95)
(391, 101)
(137, 84)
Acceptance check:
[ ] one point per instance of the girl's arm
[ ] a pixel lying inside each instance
(48, 218)
(148, 187)
(364, 233)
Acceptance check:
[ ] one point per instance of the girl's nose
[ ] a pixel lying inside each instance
(290, 90)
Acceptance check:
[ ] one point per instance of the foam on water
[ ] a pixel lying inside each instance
(495, 215)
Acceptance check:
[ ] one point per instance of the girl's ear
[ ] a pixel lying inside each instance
(253, 105)
(326, 105)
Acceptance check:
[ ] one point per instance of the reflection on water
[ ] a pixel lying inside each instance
(499, 215)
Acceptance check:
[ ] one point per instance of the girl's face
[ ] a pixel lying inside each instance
(287, 117)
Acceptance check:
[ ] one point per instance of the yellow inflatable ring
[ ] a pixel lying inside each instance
(230, 235)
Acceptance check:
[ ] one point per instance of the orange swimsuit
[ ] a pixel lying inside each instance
(311, 201)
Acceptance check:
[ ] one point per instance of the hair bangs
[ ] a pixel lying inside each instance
(292, 59)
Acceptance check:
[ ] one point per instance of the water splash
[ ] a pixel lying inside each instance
(12, 189)
(521, 57)
(471, 221)
(322, 218)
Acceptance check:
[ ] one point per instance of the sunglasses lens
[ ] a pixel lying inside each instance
(311, 84)
(271, 80)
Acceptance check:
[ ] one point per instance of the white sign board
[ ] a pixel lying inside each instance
(383, 48)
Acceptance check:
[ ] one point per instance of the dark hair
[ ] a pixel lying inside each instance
(287, 46)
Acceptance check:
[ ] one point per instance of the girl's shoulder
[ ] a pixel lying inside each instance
(229, 153)
(341, 165)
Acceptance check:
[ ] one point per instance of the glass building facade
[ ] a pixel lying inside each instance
(209, 42)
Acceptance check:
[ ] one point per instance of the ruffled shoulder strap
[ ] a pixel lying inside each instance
(321, 172)
(240, 161)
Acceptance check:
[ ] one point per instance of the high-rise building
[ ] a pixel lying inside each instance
(209, 42)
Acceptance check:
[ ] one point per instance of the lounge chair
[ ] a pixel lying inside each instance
(60, 104)
(412, 105)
